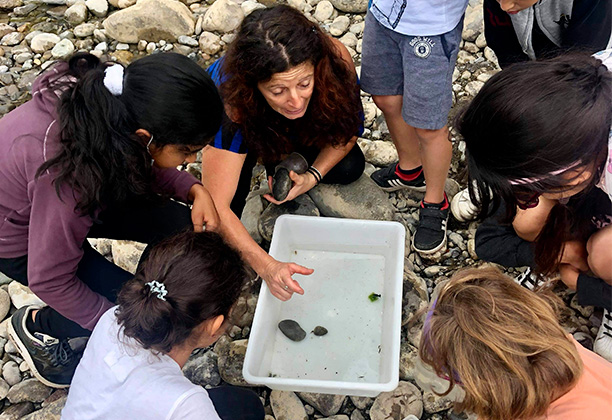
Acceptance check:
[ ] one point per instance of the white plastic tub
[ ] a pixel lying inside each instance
(360, 354)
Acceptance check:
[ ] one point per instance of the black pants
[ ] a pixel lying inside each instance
(137, 220)
(348, 170)
(497, 242)
(233, 403)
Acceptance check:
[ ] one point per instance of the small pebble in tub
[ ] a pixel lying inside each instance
(292, 330)
(374, 297)
(319, 331)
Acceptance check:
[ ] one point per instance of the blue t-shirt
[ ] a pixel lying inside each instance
(229, 137)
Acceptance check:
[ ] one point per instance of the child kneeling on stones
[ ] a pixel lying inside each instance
(504, 346)
(93, 154)
(178, 301)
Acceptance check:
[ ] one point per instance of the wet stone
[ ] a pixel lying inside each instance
(282, 184)
(302, 205)
(282, 181)
(292, 330)
(319, 330)
(17, 411)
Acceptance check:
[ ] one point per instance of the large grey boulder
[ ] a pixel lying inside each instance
(377, 152)
(17, 411)
(231, 359)
(201, 369)
(43, 42)
(126, 254)
(327, 404)
(5, 303)
(10, 4)
(302, 205)
(29, 390)
(22, 296)
(287, 406)
(362, 199)
(76, 14)
(253, 208)
(406, 399)
(51, 411)
(151, 20)
(223, 16)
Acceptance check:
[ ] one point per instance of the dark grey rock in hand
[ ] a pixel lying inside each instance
(282, 183)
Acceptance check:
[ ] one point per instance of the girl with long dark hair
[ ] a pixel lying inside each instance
(538, 142)
(287, 87)
(179, 300)
(94, 154)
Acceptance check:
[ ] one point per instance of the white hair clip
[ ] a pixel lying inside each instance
(113, 79)
(158, 288)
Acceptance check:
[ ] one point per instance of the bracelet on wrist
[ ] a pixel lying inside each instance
(314, 176)
(317, 175)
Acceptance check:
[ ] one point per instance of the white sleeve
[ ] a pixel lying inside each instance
(193, 405)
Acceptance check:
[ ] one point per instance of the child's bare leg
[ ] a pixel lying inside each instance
(403, 135)
(436, 154)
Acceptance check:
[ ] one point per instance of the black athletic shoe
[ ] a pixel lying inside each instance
(387, 179)
(52, 361)
(430, 236)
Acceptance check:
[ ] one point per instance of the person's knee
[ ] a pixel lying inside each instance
(441, 134)
(389, 105)
(235, 402)
(349, 169)
(255, 407)
(599, 255)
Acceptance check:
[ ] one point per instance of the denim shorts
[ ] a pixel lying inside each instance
(420, 68)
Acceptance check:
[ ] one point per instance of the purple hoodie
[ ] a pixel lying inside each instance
(34, 221)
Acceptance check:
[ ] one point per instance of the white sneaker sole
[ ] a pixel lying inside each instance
(430, 251)
(458, 205)
(28, 359)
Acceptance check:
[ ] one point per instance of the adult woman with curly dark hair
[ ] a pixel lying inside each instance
(287, 87)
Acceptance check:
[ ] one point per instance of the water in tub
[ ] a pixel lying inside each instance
(337, 298)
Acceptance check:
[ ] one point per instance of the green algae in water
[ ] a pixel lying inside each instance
(374, 297)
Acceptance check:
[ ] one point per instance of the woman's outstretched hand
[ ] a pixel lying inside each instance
(203, 212)
(301, 184)
(277, 276)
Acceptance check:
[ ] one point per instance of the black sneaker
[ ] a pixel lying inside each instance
(387, 179)
(430, 236)
(52, 361)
